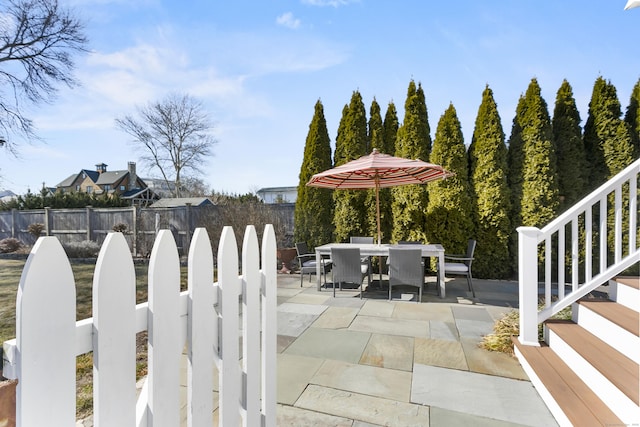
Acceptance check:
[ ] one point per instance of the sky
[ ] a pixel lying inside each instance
(259, 67)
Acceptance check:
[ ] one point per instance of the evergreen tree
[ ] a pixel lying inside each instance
(449, 211)
(632, 117)
(414, 142)
(390, 130)
(602, 123)
(567, 138)
(351, 143)
(515, 161)
(490, 192)
(314, 206)
(539, 202)
(377, 141)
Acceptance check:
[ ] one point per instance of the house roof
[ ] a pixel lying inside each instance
(171, 202)
(71, 179)
(112, 177)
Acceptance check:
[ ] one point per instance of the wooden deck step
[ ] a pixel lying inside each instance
(578, 402)
(621, 371)
(622, 316)
(631, 281)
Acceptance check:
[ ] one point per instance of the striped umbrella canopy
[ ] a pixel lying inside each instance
(378, 170)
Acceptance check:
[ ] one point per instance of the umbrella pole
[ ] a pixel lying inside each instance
(378, 205)
(378, 221)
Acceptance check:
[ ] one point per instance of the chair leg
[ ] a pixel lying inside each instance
(301, 278)
(470, 283)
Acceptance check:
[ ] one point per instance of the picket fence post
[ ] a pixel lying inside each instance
(114, 335)
(45, 338)
(43, 354)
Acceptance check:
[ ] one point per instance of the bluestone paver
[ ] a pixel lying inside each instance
(389, 351)
(443, 353)
(336, 318)
(338, 344)
(390, 326)
(367, 380)
(487, 396)
(294, 374)
(377, 308)
(290, 416)
(443, 330)
(491, 362)
(373, 410)
(443, 418)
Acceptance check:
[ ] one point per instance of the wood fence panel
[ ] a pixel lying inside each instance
(114, 336)
(269, 326)
(200, 326)
(229, 370)
(251, 282)
(165, 347)
(46, 349)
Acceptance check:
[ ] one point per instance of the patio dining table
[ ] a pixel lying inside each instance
(380, 250)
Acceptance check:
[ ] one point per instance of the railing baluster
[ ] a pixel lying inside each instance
(603, 234)
(575, 255)
(633, 207)
(618, 224)
(588, 243)
(561, 266)
(547, 271)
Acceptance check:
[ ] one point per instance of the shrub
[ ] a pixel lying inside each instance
(120, 227)
(35, 229)
(9, 245)
(84, 249)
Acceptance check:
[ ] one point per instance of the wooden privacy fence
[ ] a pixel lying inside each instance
(205, 318)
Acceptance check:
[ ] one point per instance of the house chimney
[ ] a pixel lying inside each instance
(133, 178)
(101, 167)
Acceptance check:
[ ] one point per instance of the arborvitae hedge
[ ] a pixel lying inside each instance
(351, 144)
(413, 142)
(490, 191)
(632, 117)
(539, 203)
(377, 141)
(313, 212)
(567, 137)
(449, 212)
(61, 200)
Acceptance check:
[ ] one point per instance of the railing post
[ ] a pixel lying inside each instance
(528, 284)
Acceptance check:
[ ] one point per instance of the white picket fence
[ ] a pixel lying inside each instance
(205, 318)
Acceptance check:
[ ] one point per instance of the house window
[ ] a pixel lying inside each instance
(77, 187)
(123, 188)
(107, 187)
(89, 189)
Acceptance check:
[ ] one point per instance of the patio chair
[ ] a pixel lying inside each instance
(406, 268)
(348, 268)
(366, 259)
(461, 265)
(307, 263)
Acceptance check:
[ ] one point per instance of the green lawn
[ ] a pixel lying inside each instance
(11, 270)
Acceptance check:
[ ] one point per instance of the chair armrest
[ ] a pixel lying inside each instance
(457, 258)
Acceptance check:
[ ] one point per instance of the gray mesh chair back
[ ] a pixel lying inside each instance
(307, 263)
(360, 239)
(461, 265)
(347, 268)
(405, 268)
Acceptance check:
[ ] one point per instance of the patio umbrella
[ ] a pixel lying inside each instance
(378, 170)
(631, 4)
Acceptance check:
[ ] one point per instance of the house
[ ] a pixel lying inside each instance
(172, 202)
(7, 195)
(273, 195)
(124, 183)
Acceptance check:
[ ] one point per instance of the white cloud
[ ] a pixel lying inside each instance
(288, 20)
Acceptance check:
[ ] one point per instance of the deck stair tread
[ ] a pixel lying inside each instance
(578, 402)
(622, 316)
(631, 281)
(623, 372)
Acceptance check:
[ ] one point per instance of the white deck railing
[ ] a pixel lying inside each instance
(585, 227)
(205, 318)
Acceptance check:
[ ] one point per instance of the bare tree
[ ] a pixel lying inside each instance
(37, 41)
(173, 135)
